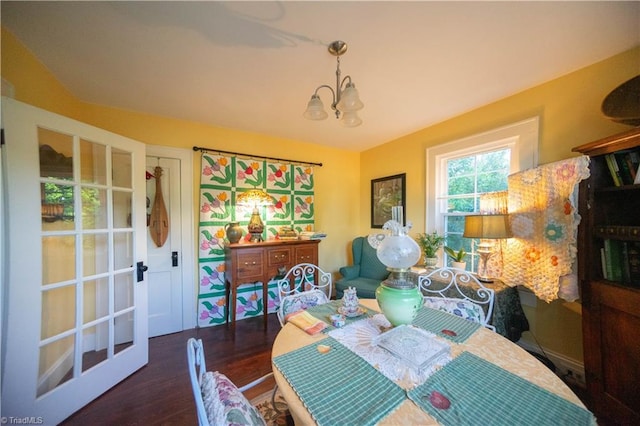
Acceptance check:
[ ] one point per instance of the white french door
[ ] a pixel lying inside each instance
(76, 312)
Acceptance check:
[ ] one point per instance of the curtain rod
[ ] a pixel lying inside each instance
(219, 151)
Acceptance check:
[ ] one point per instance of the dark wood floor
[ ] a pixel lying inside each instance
(160, 393)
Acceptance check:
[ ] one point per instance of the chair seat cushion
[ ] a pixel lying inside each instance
(302, 301)
(365, 287)
(225, 404)
(460, 307)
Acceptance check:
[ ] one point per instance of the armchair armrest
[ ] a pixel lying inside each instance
(350, 272)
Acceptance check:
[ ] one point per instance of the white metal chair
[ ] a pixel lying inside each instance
(458, 292)
(303, 286)
(215, 394)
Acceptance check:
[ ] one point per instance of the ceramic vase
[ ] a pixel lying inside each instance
(459, 265)
(233, 231)
(430, 262)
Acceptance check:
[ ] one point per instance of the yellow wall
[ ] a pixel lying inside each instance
(569, 111)
(35, 85)
(568, 107)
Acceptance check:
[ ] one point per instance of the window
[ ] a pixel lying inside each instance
(459, 172)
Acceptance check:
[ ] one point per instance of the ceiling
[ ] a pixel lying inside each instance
(254, 65)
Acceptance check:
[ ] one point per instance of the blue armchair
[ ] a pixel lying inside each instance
(366, 273)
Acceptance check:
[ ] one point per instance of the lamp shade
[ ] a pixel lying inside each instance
(349, 99)
(315, 109)
(492, 226)
(254, 197)
(350, 119)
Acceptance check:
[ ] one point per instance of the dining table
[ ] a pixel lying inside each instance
(441, 369)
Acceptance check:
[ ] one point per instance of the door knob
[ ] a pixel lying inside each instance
(174, 258)
(140, 270)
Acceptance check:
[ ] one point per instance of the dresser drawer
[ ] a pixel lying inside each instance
(250, 265)
(278, 257)
(306, 254)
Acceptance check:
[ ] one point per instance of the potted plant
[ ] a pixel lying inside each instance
(430, 243)
(457, 257)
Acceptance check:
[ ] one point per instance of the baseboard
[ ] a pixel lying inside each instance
(567, 368)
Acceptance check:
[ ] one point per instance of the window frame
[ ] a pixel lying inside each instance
(521, 137)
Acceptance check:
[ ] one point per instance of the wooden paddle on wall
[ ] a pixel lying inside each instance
(159, 221)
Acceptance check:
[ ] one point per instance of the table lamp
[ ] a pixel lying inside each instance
(488, 228)
(398, 297)
(255, 198)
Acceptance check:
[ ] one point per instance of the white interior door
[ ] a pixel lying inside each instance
(76, 311)
(165, 262)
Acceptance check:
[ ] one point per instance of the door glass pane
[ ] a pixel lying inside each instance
(95, 258)
(95, 299)
(93, 163)
(56, 206)
(58, 310)
(121, 209)
(94, 208)
(121, 165)
(58, 258)
(93, 356)
(123, 250)
(123, 333)
(56, 364)
(123, 291)
(56, 154)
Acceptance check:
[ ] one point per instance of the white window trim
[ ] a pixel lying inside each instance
(521, 137)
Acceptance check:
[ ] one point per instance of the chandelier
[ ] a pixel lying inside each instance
(345, 99)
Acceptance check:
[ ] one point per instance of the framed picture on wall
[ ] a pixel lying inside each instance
(387, 193)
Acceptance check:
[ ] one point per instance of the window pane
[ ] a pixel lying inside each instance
(57, 206)
(52, 357)
(58, 311)
(58, 259)
(56, 154)
(121, 165)
(93, 163)
(95, 258)
(461, 205)
(94, 212)
(461, 185)
(121, 209)
(96, 300)
(492, 181)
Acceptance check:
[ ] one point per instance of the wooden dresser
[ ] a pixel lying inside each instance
(261, 262)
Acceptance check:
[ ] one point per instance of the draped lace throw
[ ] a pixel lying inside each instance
(544, 221)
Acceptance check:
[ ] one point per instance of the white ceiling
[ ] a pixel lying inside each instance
(254, 65)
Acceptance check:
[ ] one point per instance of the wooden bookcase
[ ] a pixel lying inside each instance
(610, 309)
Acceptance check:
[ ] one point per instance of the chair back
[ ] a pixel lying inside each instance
(367, 257)
(197, 368)
(458, 292)
(303, 286)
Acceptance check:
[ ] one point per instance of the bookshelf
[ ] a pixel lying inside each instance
(608, 269)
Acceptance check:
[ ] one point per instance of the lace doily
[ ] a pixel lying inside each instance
(360, 337)
(375, 240)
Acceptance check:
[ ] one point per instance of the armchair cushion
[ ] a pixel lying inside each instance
(350, 272)
(366, 273)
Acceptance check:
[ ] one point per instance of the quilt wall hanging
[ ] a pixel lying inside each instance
(544, 221)
(222, 178)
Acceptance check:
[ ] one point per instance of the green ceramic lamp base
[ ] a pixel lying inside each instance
(399, 305)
